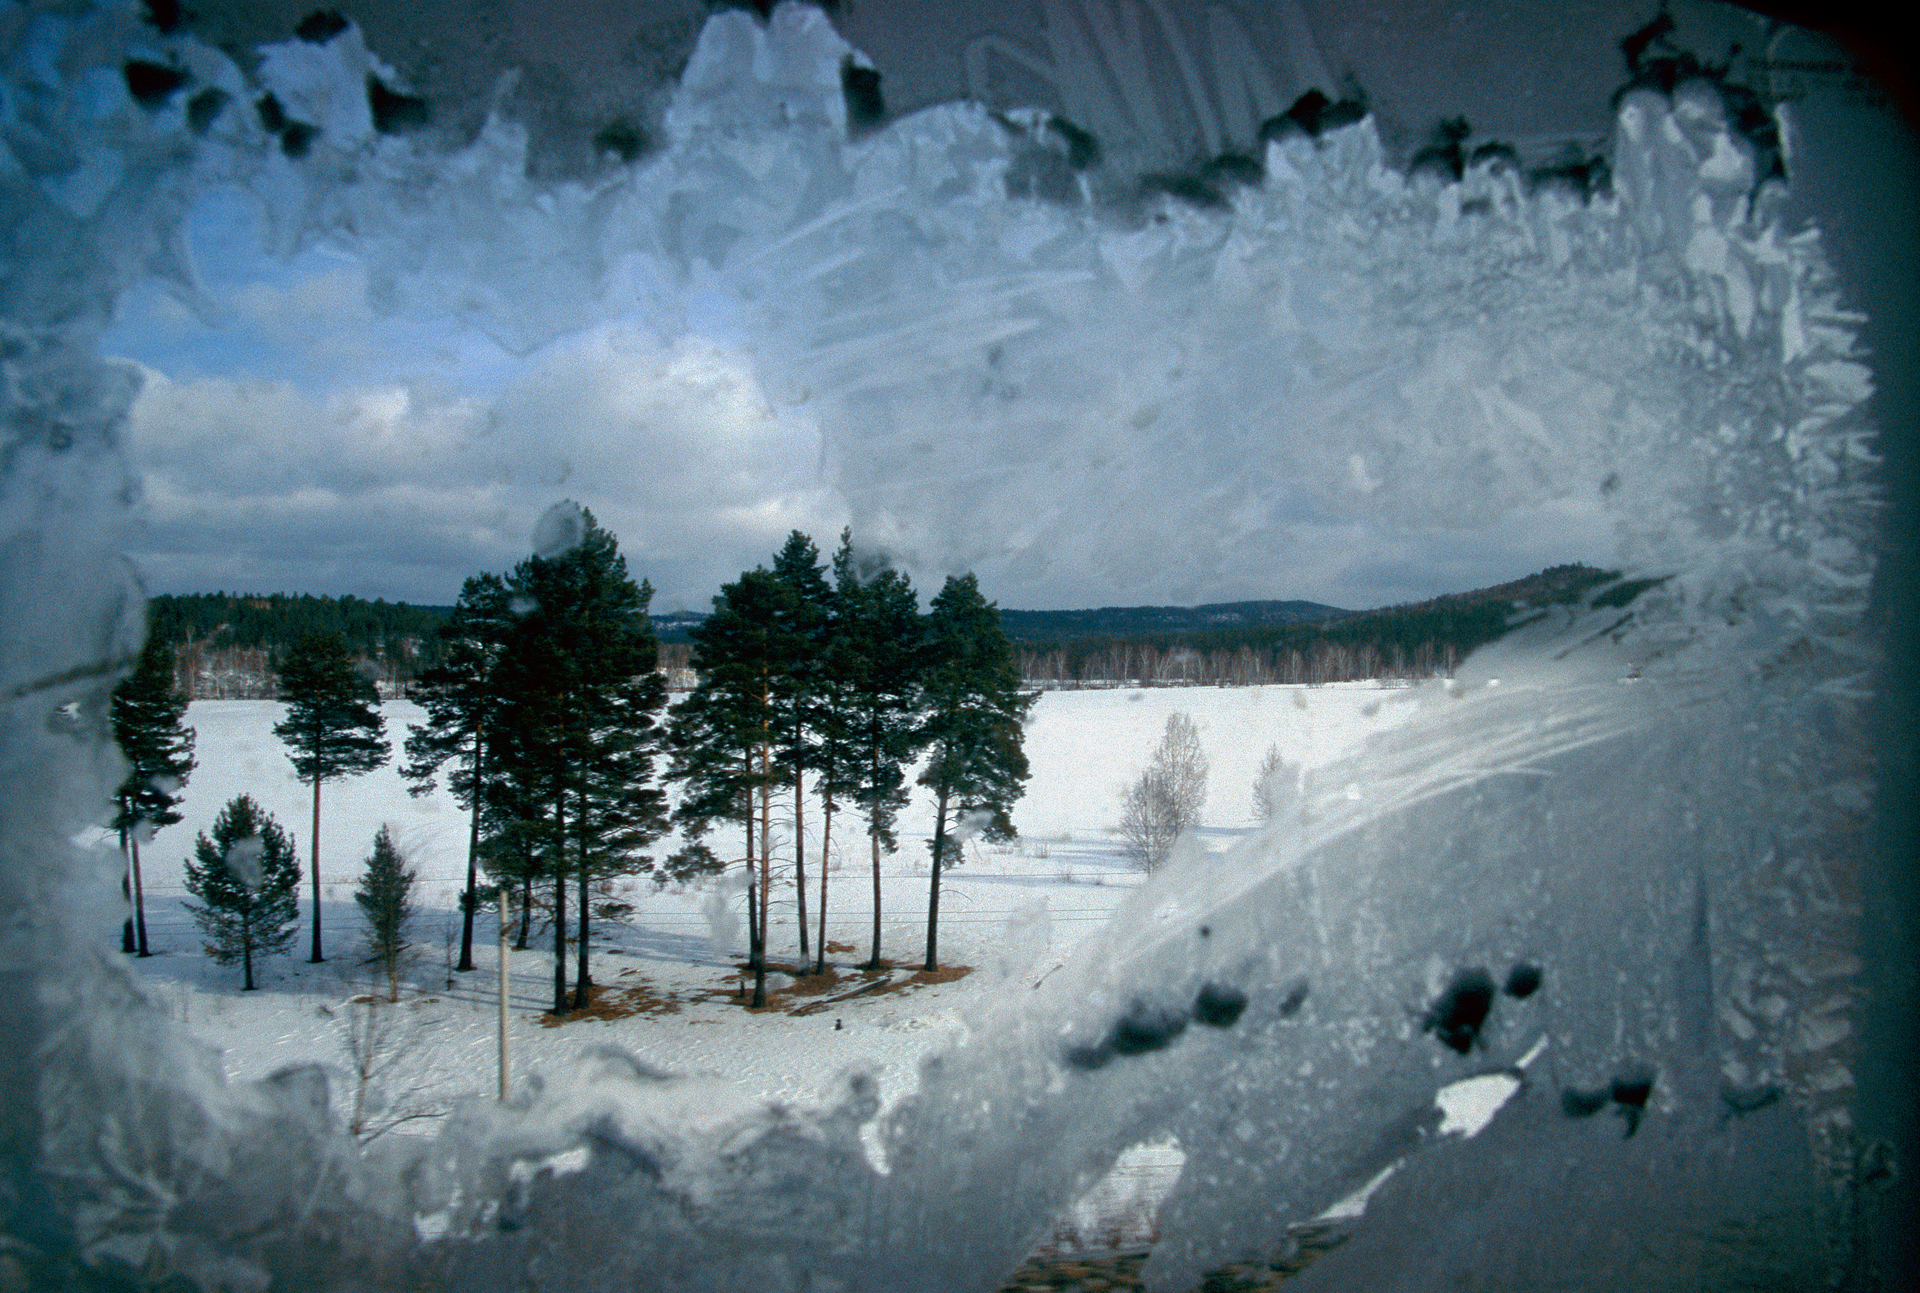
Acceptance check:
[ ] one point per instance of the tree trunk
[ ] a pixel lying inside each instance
(526, 906)
(799, 854)
(316, 958)
(873, 836)
(246, 953)
(826, 840)
(139, 899)
(933, 894)
(473, 863)
(126, 891)
(582, 977)
(560, 916)
(766, 875)
(501, 971)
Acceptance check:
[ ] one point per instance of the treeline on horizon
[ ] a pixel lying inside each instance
(1420, 639)
(227, 645)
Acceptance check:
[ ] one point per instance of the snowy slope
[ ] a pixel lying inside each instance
(1011, 911)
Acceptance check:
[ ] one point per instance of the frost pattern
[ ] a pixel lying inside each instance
(1659, 805)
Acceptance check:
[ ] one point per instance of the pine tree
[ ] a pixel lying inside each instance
(976, 767)
(148, 725)
(579, 728)
(462, 697)
(801, 622)
(333, 728)
(245, 877)
(385, 896)
(722, 735)
(874, 667)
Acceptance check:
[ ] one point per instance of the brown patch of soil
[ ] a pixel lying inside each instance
(606, 1001)
(808, 994)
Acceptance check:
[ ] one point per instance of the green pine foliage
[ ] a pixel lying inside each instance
(148, 714)
(976, 712)
(385, 896)
(722, 737)
(579, 727)
(801, 635)
(245, 876)
(333, 728)
(463, 700)
(874, 667)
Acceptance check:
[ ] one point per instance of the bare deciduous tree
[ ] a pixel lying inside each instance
(1270, 788)
(1167, 797)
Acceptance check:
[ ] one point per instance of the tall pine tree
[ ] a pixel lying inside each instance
(463, 700)
(976, 766)
(333, 728)
(723, 734)
(148, 725)
(580, 724)
(801, 624)
(872, 733)
(245, 877)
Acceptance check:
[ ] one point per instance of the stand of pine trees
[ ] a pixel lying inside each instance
(850, 683)
(546, 706)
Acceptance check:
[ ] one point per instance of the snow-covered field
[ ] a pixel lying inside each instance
(1009, 911)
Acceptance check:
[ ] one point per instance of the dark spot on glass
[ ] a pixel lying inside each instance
(1083, 150)
(393, 112)
(272, 116)
(1313, 114)
(1461, 1011)
(1523, 981)
(162, 15)
(152, 84)
(1206, 931)
(1576, 1103)
(1146, 1028)
(1296, 997)
(1088, 1058)
(320, 26)
(860, 87)
(1446, 155)
(1219, 1005)
(297, 138)
(1632, 1089)
(621, 138)
(204, 107)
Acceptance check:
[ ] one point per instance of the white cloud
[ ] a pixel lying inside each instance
(387, 489)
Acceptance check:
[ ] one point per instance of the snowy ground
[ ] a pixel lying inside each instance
(1010, 912)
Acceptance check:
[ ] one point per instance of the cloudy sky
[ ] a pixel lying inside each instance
(288, 438)
(1079, 446)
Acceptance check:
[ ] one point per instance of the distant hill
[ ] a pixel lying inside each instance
(1414, 640)
(1029, 626)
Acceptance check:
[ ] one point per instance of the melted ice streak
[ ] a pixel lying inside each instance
(1646, 807)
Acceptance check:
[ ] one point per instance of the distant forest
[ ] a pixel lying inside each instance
(1418, 640)
(227, 645)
